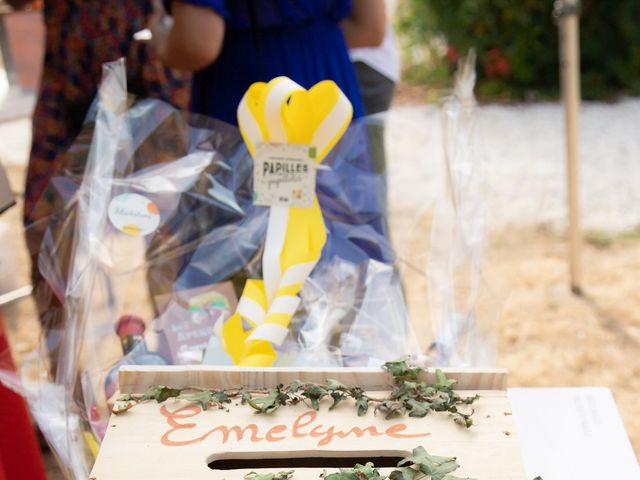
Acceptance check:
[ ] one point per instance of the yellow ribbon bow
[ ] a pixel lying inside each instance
(281, 111)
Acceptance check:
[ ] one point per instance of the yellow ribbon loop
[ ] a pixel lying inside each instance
(282, 111)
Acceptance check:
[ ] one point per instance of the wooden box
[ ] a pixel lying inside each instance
(177, 440)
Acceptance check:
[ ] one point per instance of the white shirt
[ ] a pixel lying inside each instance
(383, 58)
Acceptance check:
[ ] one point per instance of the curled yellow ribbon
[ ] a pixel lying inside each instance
(281, 111)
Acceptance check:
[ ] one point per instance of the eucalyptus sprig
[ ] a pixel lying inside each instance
(409, 396)
(419, 466)
(269, 476)
(417, 398)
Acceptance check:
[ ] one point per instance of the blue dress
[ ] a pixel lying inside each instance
(300, 39)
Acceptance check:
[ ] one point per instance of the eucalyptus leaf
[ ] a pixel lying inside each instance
(443, 382)
(401, 370)
(417, 409)
(337, 398)
(404, 473)
(437, 467)
(221, 397)
(315, 393)
(121, 407)
(265, 404)
(367, 471)
(201, 398)
(391, 408)
(359, 472)
(335, 385)
(269, 476)
(161, 393)
(342, 475)
(362, 405)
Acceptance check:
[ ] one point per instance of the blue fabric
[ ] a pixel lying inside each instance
(217, 5)
(300, 39)
(347, 193)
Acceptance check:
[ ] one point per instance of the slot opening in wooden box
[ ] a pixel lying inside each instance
(270, 460)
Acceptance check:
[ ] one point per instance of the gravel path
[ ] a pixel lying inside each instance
(524, 168)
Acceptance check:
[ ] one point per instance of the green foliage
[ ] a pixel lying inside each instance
(359, 472)
(201, 398)
(517, 44)
(401, 370)
(419, 466)
(269, 476)
(417, 398)
(160, 393)
(437, 467)
(269, 402)
(409, 396)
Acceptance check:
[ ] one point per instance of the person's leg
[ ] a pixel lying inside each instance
(55, 125)
(49, 133)
(377, 92)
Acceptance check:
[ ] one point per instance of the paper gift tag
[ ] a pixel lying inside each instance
(134, 214)
(284, 175)
(189, 316)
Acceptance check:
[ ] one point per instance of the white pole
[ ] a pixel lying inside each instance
(568, 12)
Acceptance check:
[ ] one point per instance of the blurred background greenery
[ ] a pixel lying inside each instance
(517, 46)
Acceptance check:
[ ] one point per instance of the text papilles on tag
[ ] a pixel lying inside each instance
(284, 175)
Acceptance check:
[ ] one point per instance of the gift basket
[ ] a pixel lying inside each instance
(162, 250)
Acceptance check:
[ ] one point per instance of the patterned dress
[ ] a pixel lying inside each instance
(81, 35)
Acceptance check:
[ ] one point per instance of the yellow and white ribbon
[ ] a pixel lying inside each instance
(281, 111)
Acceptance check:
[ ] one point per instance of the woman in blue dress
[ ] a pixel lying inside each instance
(232, 43)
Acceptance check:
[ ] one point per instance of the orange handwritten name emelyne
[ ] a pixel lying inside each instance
(304, 426)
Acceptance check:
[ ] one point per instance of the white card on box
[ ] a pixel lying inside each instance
(572, 433)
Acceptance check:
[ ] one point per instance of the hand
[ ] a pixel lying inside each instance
(366, 24)
(190, 43)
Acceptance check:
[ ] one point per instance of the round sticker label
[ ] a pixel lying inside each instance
(134, 214)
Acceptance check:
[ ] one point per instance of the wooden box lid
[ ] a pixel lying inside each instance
(177, 440)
